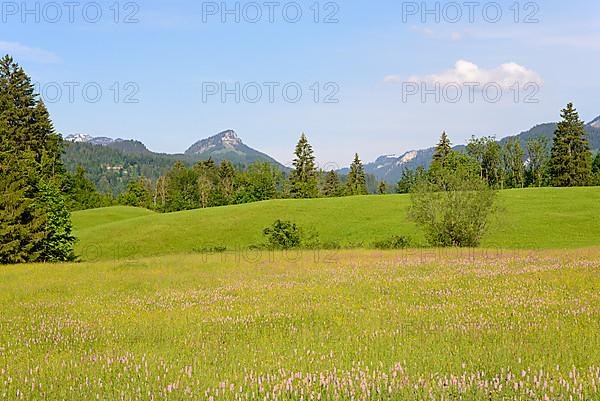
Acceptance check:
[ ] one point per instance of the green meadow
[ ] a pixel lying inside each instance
(543, 218)
(353, 325)
(143, 316)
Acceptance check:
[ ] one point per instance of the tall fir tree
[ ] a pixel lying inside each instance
(357, 182)
(32, 175)
(596, 164)
(331, 187)
(303, 179)
(442, 150)
(571, 157)
(22, 224)
(81, 192)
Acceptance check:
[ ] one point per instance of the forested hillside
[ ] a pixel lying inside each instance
(112, 169)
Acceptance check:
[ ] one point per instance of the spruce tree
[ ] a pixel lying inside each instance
(30, 159)
(22, 224)
(81, 192)
(596, 164)
(303, 179)
(382, 189)
(58, 246)
(331, 187)
(357, 182)
(596, 170)
(571, 157)
(442, 150)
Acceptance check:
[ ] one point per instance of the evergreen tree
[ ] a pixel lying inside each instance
(409, 179)
(571, 158)
(357, 182)
(39, 228)
(331, 188)
(81, 192)
(22, 224)
(596, 164)
(382, 189)
(303, 179)
(596, 170)
(58, 246)
(442, 150)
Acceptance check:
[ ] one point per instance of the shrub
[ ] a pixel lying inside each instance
(210, 249)
(283, 235)
(453, 208)
(395, 242)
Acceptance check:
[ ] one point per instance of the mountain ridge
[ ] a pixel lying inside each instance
(389, 168)
(226, 145)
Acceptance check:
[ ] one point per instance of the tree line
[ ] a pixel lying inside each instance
(208, 184)
(566, 162)
(453, 200)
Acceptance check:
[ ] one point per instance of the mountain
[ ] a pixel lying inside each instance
(124, 145)
(112, 163)
(227, 145)
(389, 168)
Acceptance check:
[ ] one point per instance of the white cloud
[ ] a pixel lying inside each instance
(392, 79)
(505, 75)
(22, 52)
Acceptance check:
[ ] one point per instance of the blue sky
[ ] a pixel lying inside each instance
(170, 55)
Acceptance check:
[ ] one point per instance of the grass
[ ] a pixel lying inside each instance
(532, 218)
(361, 325)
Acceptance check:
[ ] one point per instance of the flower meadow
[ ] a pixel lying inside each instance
(350, 325)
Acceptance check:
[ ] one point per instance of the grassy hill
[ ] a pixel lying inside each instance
(529, 218)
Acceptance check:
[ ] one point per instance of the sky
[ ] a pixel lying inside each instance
(376, 78)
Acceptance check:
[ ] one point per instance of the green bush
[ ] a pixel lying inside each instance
(453, 206)
(395, 242)
(210, 249)
(283, 235)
